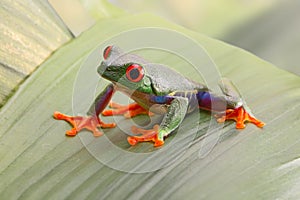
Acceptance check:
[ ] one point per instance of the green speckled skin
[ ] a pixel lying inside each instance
(158, 80)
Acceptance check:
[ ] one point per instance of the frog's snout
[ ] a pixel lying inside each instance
(102, 67)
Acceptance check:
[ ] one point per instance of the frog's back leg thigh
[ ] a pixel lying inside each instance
(237, 108)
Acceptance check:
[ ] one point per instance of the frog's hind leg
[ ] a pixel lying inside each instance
(240, 115)
(128, 111)
(239, 111)
(171, 121)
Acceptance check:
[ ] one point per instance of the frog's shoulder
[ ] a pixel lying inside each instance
(165, 80)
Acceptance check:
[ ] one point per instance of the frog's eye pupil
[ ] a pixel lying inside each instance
(106, 52)
(135, 73)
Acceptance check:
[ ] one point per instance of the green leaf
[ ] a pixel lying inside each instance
(30, 32)
(37, 161)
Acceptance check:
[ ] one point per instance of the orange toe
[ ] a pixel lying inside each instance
(150, 135)
(128, 111)
(240, 115)
(78, 123)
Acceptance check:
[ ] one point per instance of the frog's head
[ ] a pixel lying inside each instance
(124, 69)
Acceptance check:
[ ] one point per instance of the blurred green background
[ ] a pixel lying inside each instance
(31, 31)
(268, 28)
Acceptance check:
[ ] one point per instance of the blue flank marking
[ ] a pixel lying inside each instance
(204, 99)
(161, 99)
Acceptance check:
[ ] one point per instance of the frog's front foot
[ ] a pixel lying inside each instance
(240, 115)
(128, 111)
(80, 122)
(147, 136)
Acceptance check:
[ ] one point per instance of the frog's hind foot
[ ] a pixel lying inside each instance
(128, 111)
(80, 122)
(146, 136)
(240, 115)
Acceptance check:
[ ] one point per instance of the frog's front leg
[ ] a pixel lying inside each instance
(176, 112)
(92, 121)
(128, 111)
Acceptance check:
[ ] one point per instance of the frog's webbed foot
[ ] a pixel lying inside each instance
(150, 135)
(128, 111)
(171, 121)
(80, 122)
(240, 111)
(240, 115)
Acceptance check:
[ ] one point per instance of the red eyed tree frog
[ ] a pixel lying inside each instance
(159, 89)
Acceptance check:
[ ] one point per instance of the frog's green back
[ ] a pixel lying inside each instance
(166, 80)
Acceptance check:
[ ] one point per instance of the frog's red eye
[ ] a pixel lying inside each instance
(135, 73)
(106, 52)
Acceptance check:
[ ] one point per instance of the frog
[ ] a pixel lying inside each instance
(155, 89)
